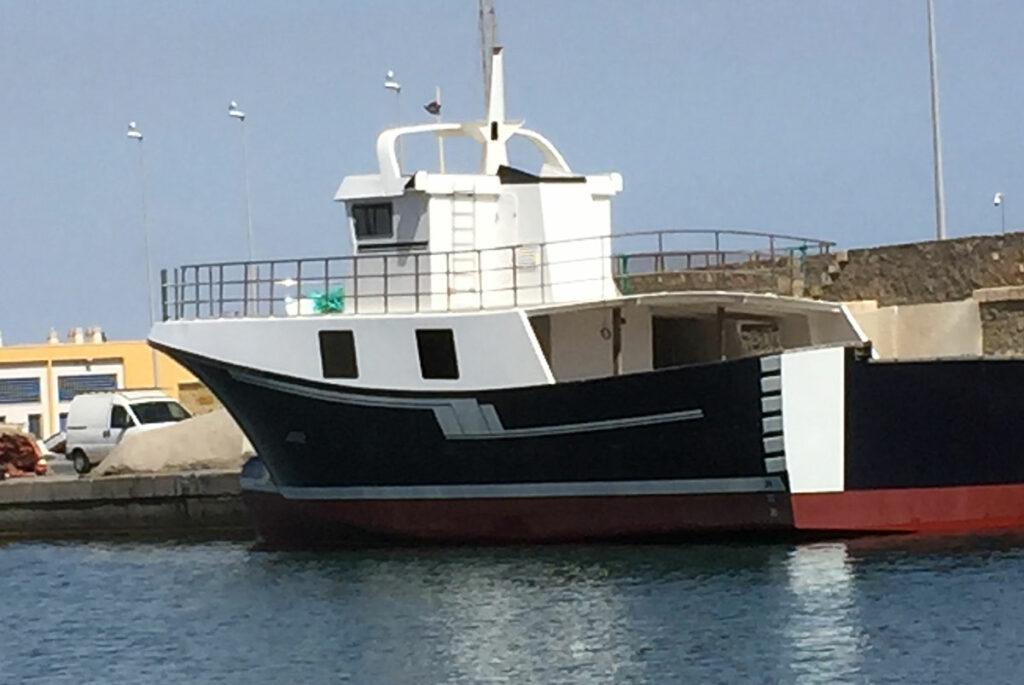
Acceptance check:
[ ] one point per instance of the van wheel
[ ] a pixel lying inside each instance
(81, 462)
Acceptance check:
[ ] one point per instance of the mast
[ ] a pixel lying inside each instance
(488, 41)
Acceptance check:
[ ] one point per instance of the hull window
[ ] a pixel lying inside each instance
(437, 353)
(373, 221)
(338, 354)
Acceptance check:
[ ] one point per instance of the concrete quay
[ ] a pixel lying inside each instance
(202, 503)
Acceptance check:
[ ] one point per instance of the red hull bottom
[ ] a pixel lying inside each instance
(298, 523)
(912, 510)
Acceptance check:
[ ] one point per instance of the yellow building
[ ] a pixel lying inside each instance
(38, 381)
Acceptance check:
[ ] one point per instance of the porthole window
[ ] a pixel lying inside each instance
(338, 354)
(436, 348)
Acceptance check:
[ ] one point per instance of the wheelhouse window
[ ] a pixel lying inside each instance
(338, 354)
(373, 221)
(436, 348)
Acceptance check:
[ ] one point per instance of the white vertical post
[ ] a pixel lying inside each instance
(440, 139)
(251, 291)
(940, 199)
(136, 134)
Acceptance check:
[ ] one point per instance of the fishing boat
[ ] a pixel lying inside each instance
(479, 370)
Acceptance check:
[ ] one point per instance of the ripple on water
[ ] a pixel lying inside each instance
(925, 610)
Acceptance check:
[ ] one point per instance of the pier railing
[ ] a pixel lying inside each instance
(411, 281)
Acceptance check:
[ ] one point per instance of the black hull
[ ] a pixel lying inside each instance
(925, 446)
(317, 435)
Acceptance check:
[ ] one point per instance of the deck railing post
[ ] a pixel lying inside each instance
(448, 280)
(177, 294)
(416, 288)
(270, 289)
(385, 284)
(515, 277)
(355, 282)
(209, 290)
(543, 262)
(163, 294)
(479, 279)
(298, 287)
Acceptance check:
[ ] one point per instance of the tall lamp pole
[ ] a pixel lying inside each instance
(134, 133)
(251, 292)
(940, 198)
(998, 202)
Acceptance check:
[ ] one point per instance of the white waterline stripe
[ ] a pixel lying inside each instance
(586, 427)
(701, 486)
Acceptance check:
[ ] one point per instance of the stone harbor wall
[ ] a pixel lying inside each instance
(894, 289)
(934, 271)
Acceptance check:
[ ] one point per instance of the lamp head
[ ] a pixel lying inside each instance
(998, 199)
(390, 83)
(133, 131)
(233, 111)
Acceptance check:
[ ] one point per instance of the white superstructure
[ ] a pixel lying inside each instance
(520, 269)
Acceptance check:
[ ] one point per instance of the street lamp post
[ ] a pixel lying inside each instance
(250, 284)
(134, 133)
(940, 198)
(998, 202)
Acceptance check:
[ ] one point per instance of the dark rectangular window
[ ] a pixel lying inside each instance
(373, 221)
(338, 354)
(69, 386)
(437, 353)
(19, 390)
(35, 425)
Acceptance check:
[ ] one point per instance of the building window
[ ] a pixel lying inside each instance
(69, 386)
(63, 420)
(19, 390)
(437, 353)
(373, 221)
(338, 354)
(35, 425)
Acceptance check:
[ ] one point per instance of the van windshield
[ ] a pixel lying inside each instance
(159, 412)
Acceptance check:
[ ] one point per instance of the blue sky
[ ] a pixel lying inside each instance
(796, 116)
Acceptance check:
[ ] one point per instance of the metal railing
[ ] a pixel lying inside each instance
(491, 278)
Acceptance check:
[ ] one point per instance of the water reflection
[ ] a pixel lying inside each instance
(824, 624)
(534, 620)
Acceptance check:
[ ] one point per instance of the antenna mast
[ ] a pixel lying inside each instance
(488, 40)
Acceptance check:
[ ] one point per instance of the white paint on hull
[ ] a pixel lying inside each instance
(813, 402)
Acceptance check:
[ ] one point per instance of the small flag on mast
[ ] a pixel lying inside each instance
(433, 107)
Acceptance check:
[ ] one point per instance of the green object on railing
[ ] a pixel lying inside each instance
(330, 301)
(623, 261)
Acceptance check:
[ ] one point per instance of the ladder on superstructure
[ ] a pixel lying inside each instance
(464, 264)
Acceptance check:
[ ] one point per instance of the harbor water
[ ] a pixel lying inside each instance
(913, 610)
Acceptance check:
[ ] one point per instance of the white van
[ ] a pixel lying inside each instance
(99, 420)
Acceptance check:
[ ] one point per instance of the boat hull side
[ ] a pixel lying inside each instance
(912, 510)
(285, 522)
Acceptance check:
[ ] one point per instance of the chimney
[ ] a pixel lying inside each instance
(76, 335)
(94, 334)
(52, 337)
